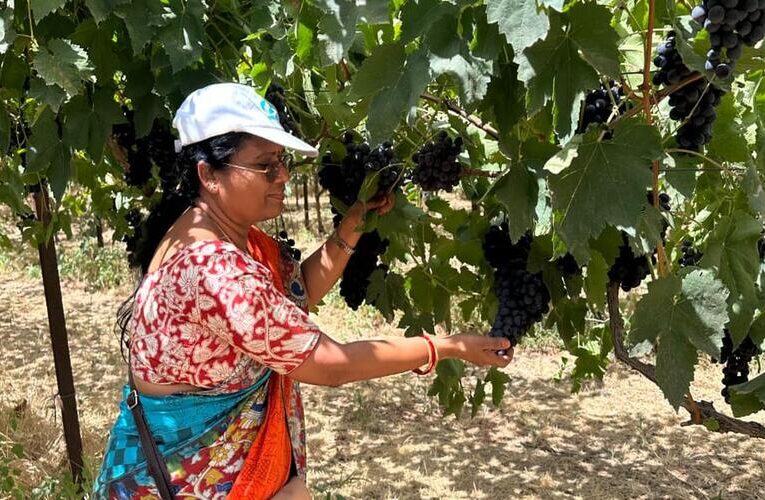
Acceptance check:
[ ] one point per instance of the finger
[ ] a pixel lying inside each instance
(499, 344)
(375, 202)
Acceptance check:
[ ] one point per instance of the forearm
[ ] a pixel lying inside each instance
(323, 268)
(334, 364)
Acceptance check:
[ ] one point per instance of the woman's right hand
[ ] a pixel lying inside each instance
(476, 349)
(295, 489)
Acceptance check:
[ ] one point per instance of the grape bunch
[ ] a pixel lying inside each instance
(156, 148)
(289, 244)
(275, 95)
(693, 104)
(343, 179)
(731, 25)
(663, 200)
(629, 269)
(436, 162)
(599, 105)
(132, 237)
(736, 369)
(523, 296)
(567, 265)
(361, 265)
(689, 256)
(761, 248)
(499, 249)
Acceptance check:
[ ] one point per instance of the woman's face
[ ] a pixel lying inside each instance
(247, 196)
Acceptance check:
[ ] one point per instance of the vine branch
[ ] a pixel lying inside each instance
(456, 110)
(701, 411)
(647, 51)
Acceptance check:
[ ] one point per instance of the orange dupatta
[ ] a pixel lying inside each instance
(267, 466)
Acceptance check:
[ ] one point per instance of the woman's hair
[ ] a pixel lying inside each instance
(180, 189)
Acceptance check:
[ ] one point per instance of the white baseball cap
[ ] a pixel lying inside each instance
(232, 107)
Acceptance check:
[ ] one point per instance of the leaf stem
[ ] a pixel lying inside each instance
(702, 156)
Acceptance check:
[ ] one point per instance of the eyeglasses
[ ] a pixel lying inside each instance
(271, 169)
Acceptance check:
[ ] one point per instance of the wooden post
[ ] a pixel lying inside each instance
(99, 232)
(59, 339)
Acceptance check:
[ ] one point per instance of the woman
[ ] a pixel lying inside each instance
(219, 333)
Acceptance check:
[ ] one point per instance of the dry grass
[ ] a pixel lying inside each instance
(386, 439)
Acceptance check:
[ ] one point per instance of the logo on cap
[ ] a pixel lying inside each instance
(268, 109)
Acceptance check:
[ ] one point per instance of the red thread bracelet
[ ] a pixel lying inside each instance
(432, 358)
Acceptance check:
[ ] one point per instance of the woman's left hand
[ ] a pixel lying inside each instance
(382, 203)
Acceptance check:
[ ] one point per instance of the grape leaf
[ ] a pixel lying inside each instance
(581, 183)
(304, 42)
(518, 191)
(478, 397)
(417, 16)
(7, 33)
(5, 128)
(749, 397)
(13, 73)
(728, 143)
(592, 34)
(386, 293)
(184, 35)
(504, 100)
(420, 289)
(552, 69)
(62, 63)
(388, 106)
(99, 43)
(135, 15)
(757, 331)
(499, 381)
(42, 8)
(374, 11)
(731, 250)
(685, 313)
(521, 21)
(568, 317)
(487, 41)
(337, 28)
(42, 141)
(48, 95)
(451, 55)
(381, 70)
(59, 170)
(754, 191)
(595, 281)
(102, 8)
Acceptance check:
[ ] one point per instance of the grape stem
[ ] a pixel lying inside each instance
(456, 110)
(701, 411)
(473, 172)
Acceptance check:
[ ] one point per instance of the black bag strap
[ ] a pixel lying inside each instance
(155, 461)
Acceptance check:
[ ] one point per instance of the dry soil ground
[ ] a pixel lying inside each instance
(386, 438)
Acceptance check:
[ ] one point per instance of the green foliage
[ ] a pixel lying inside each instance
(507, 76)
